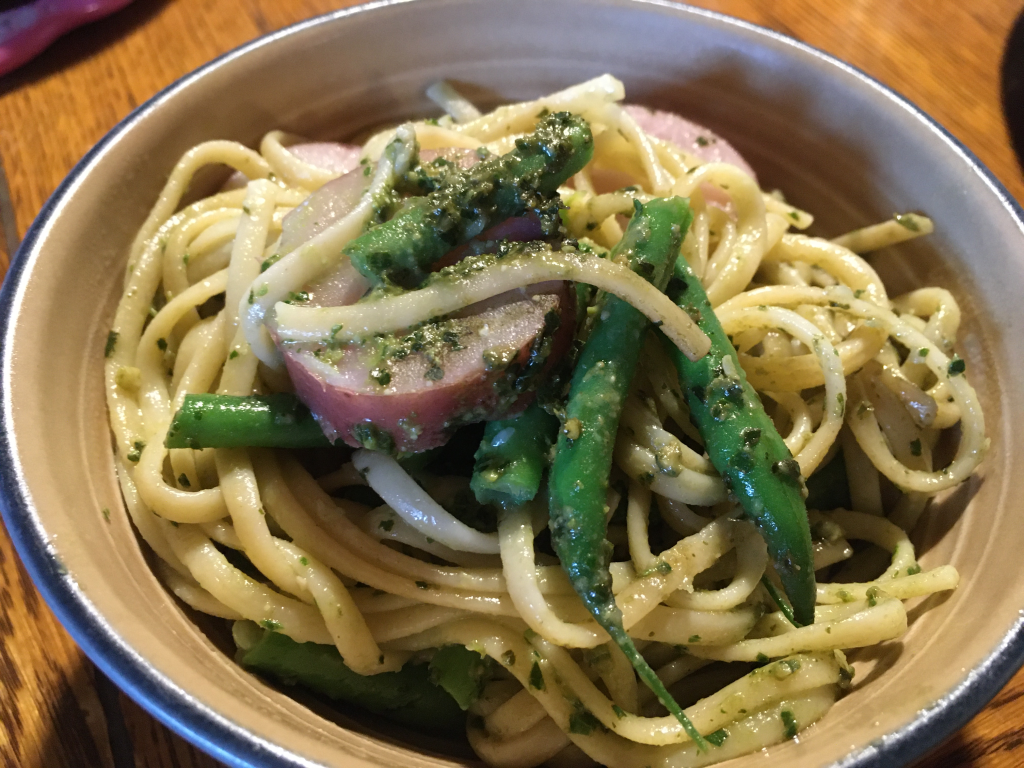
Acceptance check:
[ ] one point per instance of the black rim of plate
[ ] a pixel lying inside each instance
(236, 746)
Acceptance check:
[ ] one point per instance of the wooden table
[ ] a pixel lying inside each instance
(56, 709)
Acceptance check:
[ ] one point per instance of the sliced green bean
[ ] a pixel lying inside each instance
(407, 696)
(829, 488)
(744, 446)
(583, 454)
(512, 457)
(402, 249)
(228, 421)
(461, 672)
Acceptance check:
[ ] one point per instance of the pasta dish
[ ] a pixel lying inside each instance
(546, 428)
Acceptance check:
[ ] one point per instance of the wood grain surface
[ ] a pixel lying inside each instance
(56, 710)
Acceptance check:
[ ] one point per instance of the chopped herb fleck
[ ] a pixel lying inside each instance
(373, 438)
(788, 470)
(108, 350)
(907, 221)
(184, 481)
(582, 720)
(915, 447)
(537, 677)
(422, 585)
(718, 737)
(162, 344)
(271, 624)
(789, 721)
(304, 560)
(694, 639)
(136, 452)
(508, 658)
(913, 570)
(106, 514)
(386, 525)
(956, 366)
(269, 262)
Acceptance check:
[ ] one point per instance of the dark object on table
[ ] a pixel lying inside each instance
(28, 28)
(1012, 77)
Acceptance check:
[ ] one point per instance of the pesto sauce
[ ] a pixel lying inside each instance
(373, 438)
(461, 203)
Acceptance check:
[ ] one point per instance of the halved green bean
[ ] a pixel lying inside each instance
(744, 446)
(512, 457)
(227, 421)
(583, 455)
(402, 249)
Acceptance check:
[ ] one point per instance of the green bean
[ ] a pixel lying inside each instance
(512, 457)
(779, 600)
(227, 421)
(461, 672)
(583, 454)
(828, 488)
(407, 696)
(402, 249)
(744, 446)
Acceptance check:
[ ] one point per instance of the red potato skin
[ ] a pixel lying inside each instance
(422, 418)
(694, 138)
(329, 155)
(431, 407)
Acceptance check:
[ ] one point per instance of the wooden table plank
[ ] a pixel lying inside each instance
(944, 56)
(157, 747)
(50, 714)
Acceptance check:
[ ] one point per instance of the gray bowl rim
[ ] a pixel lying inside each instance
(216, 734)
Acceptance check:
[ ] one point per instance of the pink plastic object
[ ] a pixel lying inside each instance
(28, 29)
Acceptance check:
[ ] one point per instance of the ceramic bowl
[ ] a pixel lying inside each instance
(836, 141)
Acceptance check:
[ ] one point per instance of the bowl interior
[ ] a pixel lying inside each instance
(838, 145)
